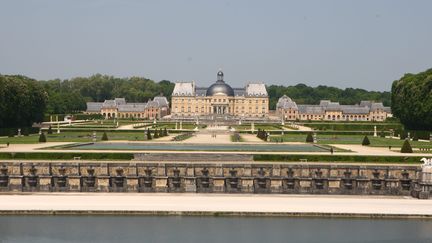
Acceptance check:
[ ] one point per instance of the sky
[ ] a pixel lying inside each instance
(344, 43)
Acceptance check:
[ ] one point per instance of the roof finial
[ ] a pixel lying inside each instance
(220, 75)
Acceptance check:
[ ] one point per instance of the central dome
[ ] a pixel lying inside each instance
(220, 87)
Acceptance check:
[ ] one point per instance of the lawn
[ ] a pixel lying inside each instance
(84, 136)
(352, 126)
(267, 127)
(349, 139)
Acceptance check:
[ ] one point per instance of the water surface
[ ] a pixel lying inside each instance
(49, 229)
(202, 147)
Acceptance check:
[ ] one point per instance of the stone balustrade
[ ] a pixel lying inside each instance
(287, 178)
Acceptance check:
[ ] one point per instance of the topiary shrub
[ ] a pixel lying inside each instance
(104, 137)
(149, 136)
(156, 134)
(165, 132)
(382, 134)
(415, 137)
(365, 141)
(42, 138)
(406, 147)
(50, 130)
(309, 138)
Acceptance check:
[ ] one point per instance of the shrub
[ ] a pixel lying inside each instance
(406, 147)
(50, 130)
(309, 138)
(365, 141)
(165, 132)
(149, 136)
(156, 134)
(104, 137)
(11, 132)
(415, 137)
(382, 134)
(42, 138)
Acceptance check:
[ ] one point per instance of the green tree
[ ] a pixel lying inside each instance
(42, 138)
(22, 101)
(406, 147)
(365, 141)
(149, 136)
(104, 137)
(412, 100)
(309, 138)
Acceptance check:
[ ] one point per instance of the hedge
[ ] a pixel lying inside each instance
(337, 158)
(68, 156)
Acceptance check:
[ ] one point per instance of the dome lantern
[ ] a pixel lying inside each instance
(220, 75)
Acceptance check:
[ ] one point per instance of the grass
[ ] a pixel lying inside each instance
(352, 126)
(339, 158)
(67, 156)
(348, 139)
(266, 127)
(236, 138)
(84, 136)
(257, 157)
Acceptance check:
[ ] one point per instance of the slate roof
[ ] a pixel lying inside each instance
(94, 106)
(122, 106)
(184, 89)
(363, 108)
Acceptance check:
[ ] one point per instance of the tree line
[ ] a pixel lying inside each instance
(303, 94)
(26, 100)
(412, 100)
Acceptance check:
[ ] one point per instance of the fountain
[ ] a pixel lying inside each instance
(4, 177)
(376, 181)
(61, 178)
(347, 180)
(232, 181)
(405, 181)
(318, 180)
(289, 181)
(89, 181)
(32, 178)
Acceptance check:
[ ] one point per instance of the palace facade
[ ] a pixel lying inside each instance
(220, 99)
(119, 108)
(332, 111)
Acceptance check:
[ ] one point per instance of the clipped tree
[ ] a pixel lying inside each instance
(50, 130)
(104, 137)
(161, 133)
(382, 134)
(309, 138)
(365, 141)
(156, 134)
(415, 137)
(406, 147)
(149, 136)
(42, 138)
(165, 132)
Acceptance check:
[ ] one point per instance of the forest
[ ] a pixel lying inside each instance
(412, 100)
(25, 100)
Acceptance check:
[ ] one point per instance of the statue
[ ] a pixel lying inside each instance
(426, 162)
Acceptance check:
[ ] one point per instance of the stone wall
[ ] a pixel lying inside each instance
(213, 177)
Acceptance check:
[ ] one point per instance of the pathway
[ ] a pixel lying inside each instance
(151, 202)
